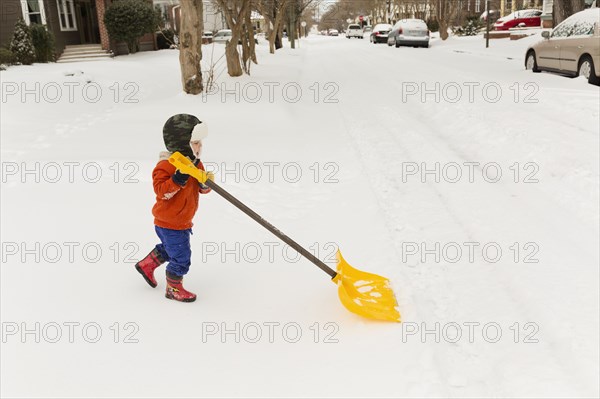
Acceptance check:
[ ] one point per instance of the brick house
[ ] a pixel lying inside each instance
(72, 22)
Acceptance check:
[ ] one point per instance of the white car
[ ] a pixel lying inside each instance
(222, 36)
(333, 32)
(354, 30)
(409, 32)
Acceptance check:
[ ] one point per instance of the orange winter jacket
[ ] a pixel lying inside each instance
(175, 205)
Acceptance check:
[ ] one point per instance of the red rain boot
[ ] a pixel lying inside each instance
(147, 266)
(176, 291)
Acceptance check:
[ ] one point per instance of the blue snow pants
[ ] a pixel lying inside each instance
(175, 247)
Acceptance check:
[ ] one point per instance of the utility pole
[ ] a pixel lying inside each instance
(487, 23)
(292, 30)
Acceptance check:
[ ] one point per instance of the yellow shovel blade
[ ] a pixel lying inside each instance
(365, 294)
(182, 163)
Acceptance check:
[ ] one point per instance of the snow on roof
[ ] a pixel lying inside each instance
(256, 15)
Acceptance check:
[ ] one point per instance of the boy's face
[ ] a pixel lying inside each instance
(196, 147)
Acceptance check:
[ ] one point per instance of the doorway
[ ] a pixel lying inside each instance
(87, 20)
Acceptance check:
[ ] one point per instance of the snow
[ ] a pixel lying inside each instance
(371, 121)
(517, 14)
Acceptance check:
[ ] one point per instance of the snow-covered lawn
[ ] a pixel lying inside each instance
(469, 182)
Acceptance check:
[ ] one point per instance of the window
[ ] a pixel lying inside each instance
(478, 6)
(563, 30)
(583, 28)
(33, 12)
(66, 15)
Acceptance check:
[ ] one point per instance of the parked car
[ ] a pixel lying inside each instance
(572, 48)
(380, 33)
(521, 18)
(368, 29)
(354, 30)
(409, 32)
(222, 36)
(333, 32)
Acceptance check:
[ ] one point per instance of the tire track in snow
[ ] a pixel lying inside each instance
(442, 148)
(432, 130)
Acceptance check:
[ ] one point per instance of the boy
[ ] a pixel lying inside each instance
(177, 198)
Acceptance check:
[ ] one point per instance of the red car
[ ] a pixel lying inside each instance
(521, 18)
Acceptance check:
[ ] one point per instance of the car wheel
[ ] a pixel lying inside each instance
(531, 63)
(586, 69)
(389, 43)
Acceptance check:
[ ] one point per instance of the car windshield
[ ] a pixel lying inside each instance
(563, 30)
(522, 14)
(416, 23)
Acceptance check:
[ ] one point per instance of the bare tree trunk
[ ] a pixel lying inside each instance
(443, 27)
(279, 37)
(234, 11)
(276, 31)
(234, 67)
(190, 46)
(251, 43)
(245, 49)
(271, 37)
(445, 12)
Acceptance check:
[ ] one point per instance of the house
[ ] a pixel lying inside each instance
(73, 22)
(213, 18)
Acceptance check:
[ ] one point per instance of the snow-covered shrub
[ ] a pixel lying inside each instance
(43, 43)
(21, 44)
(470, 28)
(433, 25)
(128, 20)
(6, 56)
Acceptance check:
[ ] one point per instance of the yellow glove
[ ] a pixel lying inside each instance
(210, 176)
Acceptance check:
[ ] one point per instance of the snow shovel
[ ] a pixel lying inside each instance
(365, 294)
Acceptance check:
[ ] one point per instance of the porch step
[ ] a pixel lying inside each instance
(77, 47)
(75, 57)
(72, 52)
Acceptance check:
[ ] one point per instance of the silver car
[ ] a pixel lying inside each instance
(409, 32)
(572, 48)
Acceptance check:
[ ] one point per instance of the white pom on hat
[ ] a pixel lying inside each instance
(200, 132)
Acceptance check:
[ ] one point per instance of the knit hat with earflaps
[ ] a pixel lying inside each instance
(177, 133)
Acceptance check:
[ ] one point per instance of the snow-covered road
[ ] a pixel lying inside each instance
(471, 183)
